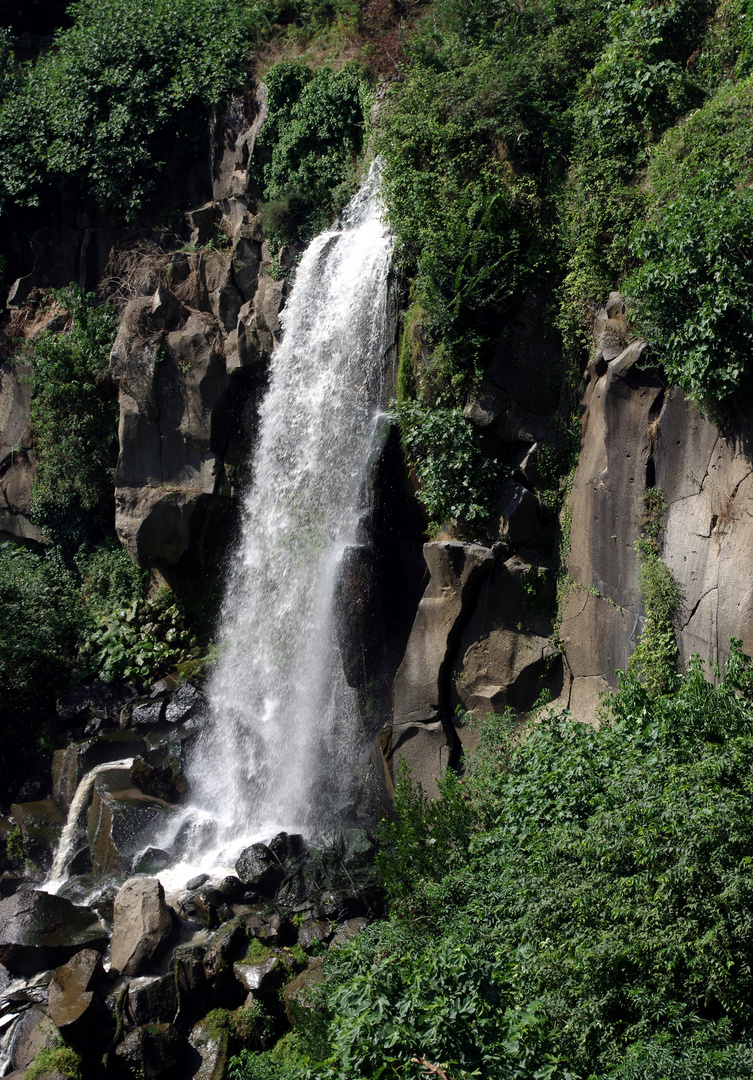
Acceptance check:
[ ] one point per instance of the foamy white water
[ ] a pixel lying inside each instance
(284, 731)
(66, 849)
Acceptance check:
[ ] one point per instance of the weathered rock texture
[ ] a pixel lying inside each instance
(16, 455)
(142, 926)
(636, 435)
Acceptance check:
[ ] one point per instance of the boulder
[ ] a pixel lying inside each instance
(39, 930)
(187, 703)
(349, 931)
(72, 1006)
(33, 1032)
(298, 990)
(259, 869)
(121, 820)
(142, 926)
(191, 986)
(257, 975)
(157, 782)
(313, 933)
(41, 824)
(148, 713)
(152, 1000)
(151, 1052)
(227, 946)
(209, 1057)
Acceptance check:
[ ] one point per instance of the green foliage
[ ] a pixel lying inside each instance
(39, 625)
(425, 837)
(58, 1060)
(74, 420)
(654, 659)
(139, 643)
(693, 290)
(591, 917)
(457, 480)
(637, 88)
(127, 84)
(313, 137)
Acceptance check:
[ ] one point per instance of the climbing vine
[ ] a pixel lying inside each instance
(654, 660)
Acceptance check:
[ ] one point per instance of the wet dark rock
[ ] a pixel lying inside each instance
(313, 933)
(38, 931)
(10, 883)
(33, 1033)
(152, 1000)
(259, 869)
(228, 945)
(186, 704)
(152, 860)
(203, 906)
(232, 889)
(120, 822)
(191, 984)
(148, 714)
(349, 931)
(73, 1007)
(209, 1052)
(151, 1052)
(279, 930)
(298, 991)
(286, 846)
(100, 699)
(152, 781)
(358, 849)
(41, 824)
(142, 926)
(197, 882)
(258, 976)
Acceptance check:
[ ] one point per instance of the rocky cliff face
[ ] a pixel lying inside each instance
(190, 360)
(483, 638)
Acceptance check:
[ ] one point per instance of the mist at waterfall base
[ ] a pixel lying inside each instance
(284, 731)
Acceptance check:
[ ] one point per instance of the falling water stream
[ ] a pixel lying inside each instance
(284, 730)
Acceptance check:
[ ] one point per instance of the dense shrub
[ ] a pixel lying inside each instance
(74, 420)
(444, 448)
(694, 288)
(579, 906)
(101, 112)
(313, 137)
(39, 626)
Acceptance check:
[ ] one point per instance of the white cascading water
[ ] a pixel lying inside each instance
(66, 848)
(284, 729)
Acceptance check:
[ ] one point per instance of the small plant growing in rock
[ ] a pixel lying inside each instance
(655, 657)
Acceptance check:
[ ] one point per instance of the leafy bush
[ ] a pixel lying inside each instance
(101, 112)
(139, 642)
(654, 659)
(591, 917)
(313, 136)
(457, 480)
(692, 293)
(39, 625)
(74, 420)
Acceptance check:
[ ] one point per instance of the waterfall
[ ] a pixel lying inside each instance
(284, 729)
(66, 848)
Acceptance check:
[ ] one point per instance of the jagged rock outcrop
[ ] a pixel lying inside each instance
(142, 926)
(637, 434)
(39, 930)
(16, 455)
